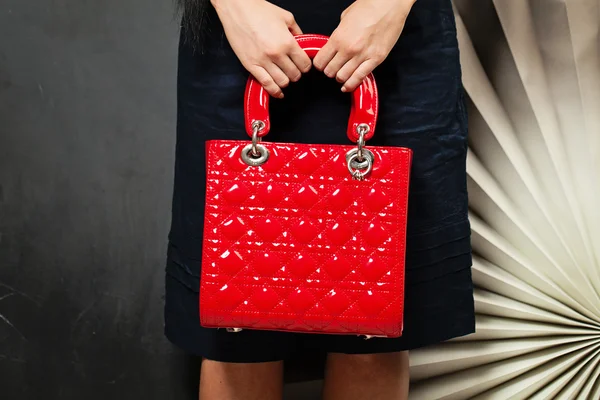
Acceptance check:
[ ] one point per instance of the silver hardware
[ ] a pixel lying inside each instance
(254, 161)
(358, 169)
(367, 337)
(360, 164)
(234, 330)
(257, 126)
(360, 159)
(362, 130)
(255, 154)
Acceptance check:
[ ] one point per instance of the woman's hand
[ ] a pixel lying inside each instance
(262, 36)
(367, 32)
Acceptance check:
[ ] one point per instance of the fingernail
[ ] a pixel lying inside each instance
(344, 89)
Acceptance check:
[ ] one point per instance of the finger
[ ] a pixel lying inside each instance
(300, 59)
(292, 25)
(359, 75)
(324, 56)
(347, 70)
(336, 64)
(288, 67)
(266, 81)
(280, 78)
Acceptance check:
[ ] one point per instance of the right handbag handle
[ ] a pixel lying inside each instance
(363, 114)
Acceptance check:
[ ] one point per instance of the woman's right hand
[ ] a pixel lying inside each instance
(262, 36)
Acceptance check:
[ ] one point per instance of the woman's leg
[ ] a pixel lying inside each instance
(232, 381)
(382, 376)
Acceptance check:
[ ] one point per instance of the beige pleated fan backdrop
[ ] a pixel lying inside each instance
(531, 69)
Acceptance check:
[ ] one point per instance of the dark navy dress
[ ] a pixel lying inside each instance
(421, 107)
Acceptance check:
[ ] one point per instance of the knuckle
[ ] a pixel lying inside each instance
(288, 17)
(351, 82)
(361, 73)
(354, 48)
(270, 52)
(335, 40)
(359, 77)
(274, 51)
(289, 47)
(266, 81)
(379, 56)
(341, 77)
(305, 67)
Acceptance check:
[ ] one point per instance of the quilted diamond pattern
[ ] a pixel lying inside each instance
(298, 245)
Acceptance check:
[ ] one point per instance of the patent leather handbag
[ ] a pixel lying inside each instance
(305, 238)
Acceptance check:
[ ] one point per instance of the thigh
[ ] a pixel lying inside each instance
(368, 376)
(230, 381)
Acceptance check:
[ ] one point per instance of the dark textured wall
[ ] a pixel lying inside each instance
(87, 113)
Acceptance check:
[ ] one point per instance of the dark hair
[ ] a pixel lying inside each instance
(194, 18)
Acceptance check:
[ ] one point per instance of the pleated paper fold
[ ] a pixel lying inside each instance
(531, 70)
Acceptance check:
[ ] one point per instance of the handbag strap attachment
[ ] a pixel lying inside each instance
(363, 114)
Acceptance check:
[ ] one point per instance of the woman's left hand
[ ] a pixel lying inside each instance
(367, 32)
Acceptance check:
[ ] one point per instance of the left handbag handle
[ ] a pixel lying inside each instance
(363, 113)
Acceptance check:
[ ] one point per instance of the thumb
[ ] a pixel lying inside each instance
(294, 28)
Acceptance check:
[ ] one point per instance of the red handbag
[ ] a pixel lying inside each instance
(301, 237)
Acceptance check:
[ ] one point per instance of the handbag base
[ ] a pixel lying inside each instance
(366, 337)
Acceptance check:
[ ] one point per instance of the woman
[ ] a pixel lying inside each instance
(412, 49)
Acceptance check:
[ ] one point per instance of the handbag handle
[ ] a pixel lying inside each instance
(363, 114)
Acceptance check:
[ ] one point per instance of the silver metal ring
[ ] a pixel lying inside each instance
(255, 142)
(359, 174)
(356, 164)
(363, 129)
(258, 125)
(361, 144)
(255, 154)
